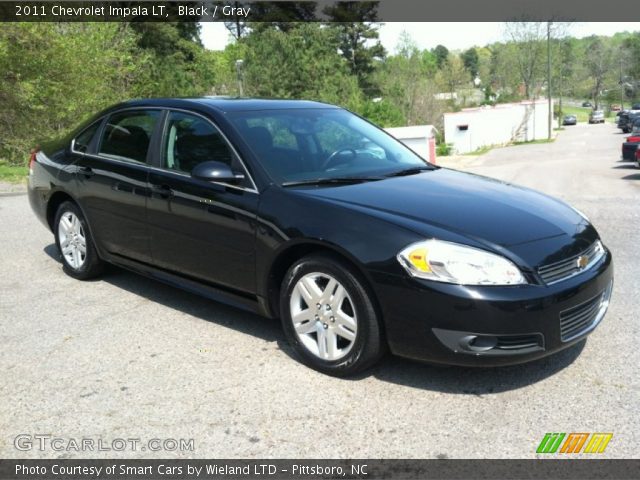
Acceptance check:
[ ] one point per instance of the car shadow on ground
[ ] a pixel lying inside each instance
(187, 302)
(633, 176)
(445, 379)
(474, 381)
(626, 165)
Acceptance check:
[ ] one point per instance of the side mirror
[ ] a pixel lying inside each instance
(215, 171)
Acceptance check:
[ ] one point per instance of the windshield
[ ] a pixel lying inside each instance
(298, 145)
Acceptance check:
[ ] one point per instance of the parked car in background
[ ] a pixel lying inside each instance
(306, 212)
(569, 120)
(621, 118)
(615, 108)
(637, 157)
(587, 104)
(629, 149)
(627, 120)
(596, 116)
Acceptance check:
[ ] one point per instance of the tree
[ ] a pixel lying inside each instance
(55, 74)
(452, 74)
(527, 50)
(471, 62)
(599, 64)
(442, 54)
(406, 80)
(359, 39)
(237, 26)
(301, 63)
(632, 46)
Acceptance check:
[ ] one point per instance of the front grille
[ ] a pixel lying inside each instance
(579, 319)
(558, 271)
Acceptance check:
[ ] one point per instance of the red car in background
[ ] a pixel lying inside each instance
(630, 148)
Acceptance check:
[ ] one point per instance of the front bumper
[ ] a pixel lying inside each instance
(437, 322)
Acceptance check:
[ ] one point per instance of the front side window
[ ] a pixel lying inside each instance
(190, 140)
(298, 145)
(127, 135)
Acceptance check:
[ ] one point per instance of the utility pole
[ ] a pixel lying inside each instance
(621, 87)
(549, 78)
(239, 65)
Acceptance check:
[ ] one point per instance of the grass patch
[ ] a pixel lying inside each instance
(581, 113)
(13, 174)
(488, 148)
(483, 150)
(535, 142)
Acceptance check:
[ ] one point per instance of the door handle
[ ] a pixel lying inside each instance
(86, 171)
(163, 191)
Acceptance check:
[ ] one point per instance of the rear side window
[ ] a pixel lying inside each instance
(82, 141)
(127, 135)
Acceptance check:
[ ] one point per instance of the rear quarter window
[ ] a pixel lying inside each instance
(127, 135)
(83, 139)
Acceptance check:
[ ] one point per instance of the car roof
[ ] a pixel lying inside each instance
(227, 104)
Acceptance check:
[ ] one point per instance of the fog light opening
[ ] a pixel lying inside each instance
(477, 343)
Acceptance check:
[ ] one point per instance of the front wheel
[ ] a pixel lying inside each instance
(328, 316)
(79, 256)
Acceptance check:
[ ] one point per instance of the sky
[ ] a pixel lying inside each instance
(453, 35)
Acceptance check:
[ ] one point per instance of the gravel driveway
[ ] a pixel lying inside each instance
(127, 357)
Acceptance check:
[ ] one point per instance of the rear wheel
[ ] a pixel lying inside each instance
(328, 316)
(79, 256)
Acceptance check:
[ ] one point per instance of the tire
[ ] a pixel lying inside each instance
(343, 336)
(80, 259)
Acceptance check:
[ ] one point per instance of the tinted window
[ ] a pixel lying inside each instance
(83, 140)
(191, 140)
(127, 135)
(297, 144)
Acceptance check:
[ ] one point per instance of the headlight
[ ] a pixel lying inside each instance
(454, 263)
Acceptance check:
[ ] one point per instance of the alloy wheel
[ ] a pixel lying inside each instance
(323, 316)
(73, 243)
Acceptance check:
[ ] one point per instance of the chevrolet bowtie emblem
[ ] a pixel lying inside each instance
(582, 261)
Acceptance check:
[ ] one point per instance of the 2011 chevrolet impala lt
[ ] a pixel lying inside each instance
(307, 212)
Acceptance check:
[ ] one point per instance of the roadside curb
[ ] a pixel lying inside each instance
(11, 189)
(13, 194)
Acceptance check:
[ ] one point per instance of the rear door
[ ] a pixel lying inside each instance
(113, 183)
(199, 229)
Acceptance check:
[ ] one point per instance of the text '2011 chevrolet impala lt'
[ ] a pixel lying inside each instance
(307, 212)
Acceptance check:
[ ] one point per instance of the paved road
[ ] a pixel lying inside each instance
(126, 357)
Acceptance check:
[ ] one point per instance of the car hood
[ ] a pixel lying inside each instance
(472, 206)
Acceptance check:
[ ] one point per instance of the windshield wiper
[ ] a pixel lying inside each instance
(409, 171)
(331, 181)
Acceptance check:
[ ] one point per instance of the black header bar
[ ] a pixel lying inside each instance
(284, 11)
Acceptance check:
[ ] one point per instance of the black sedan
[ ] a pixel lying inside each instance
(307, 212)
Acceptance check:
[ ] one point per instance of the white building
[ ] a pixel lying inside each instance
(419, 138)
(474, 128)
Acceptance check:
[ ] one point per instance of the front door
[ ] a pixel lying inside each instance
(199, 229)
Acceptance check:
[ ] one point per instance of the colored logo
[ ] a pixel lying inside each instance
(574, 443)
(582, 261)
